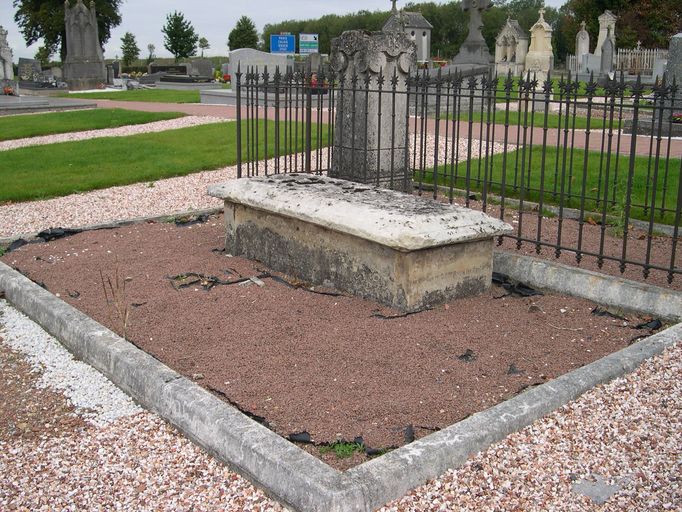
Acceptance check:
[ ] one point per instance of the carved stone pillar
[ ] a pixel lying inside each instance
(370, 132)
(84, 66)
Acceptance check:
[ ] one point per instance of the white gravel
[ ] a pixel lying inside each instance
(93, 395)
(128, 459)
(122, 131)
(161, 197)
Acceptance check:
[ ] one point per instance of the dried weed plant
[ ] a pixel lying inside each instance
(115, 297)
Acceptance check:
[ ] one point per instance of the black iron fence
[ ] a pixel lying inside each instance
(592, 168)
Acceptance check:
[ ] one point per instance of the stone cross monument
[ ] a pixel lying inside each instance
(474, 49)
(6, 68)
(84, 65)
(369, 66)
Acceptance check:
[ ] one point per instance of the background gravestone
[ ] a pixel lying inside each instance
(6, 67)
(607, 29)
(607, 57)
(582, 47)
(674, 66)
(474, 49)
(201, 68)
(364, 152)
(84, 66)
(29, 70)
(540, 57)
(250, 58)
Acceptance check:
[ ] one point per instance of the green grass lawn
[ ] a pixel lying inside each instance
(55, 170)
(537, 119)
(531, 176)
(149, 95)
(18, 127)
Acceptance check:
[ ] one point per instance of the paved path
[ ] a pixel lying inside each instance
(599, 140)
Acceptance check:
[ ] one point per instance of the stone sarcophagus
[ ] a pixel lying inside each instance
(398, 249)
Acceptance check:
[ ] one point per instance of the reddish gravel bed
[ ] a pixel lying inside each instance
(311, 362)
(28, 412)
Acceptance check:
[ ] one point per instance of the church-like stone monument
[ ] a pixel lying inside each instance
(474, 50)
(6, 67)
(415, 26)
(365, 152)
(511, 47)
(540, 58)
(84, 67)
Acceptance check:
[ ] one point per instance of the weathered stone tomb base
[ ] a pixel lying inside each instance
(400, 250)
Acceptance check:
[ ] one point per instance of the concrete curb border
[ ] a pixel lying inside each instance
(282, 469)
(600, 288)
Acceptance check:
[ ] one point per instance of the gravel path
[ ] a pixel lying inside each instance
(124, 459)
(122, 131)
(619, 442)
(161, 197)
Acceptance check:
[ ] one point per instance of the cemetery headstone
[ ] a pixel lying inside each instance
(607, 29)
(6, 67)
(474, 49)
(607, 57)
(367, 153)
(582, 47)
(540, 58)
(315, 60)
(201, 68)
(674, 65)
(249, 58)
(172, 69)
(29, 70)
(84, 65)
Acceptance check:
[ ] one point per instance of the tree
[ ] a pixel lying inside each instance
(653, 22)
(179, 36)
(150, 48)
(243, 35)
(129, 49)
(44, 19)
(43, 55)
(204, 45)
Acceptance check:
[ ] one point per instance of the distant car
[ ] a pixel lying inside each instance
(227, 78)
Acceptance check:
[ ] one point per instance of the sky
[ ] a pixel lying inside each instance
(212, 19)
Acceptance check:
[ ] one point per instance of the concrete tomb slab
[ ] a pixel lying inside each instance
(398, 249)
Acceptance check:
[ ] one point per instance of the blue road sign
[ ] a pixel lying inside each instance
(282, 43)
